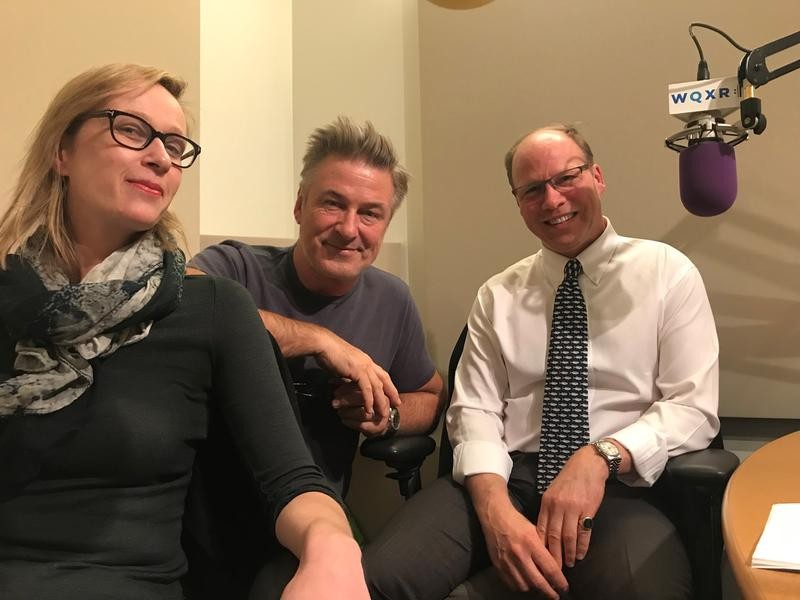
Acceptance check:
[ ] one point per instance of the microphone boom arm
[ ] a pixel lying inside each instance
(753, 73)
(754, 68)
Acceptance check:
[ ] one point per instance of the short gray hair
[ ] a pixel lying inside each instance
(345, 139)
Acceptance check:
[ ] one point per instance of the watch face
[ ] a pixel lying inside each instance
(608, 448)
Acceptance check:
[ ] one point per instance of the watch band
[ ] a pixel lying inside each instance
(394, 421)
(610, 453)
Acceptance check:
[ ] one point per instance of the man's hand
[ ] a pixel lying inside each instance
(298, 338)
(514, 546)
(575, 493)
(377, 390)
(349, 404)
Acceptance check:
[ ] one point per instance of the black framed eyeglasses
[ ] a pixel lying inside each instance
(566, 180)
(131, 131)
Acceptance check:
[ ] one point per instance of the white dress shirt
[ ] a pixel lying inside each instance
(653, 358)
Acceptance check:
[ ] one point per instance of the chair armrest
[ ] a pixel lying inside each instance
(405, 454)
(410, 449)
(710, 467)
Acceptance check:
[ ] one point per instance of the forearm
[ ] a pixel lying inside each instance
(420, 409)
(489, 494)
(315, 529)
(313, 522)
(295, 338)
(298, 338)
(667, 429)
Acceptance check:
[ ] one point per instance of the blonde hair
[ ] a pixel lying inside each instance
(38, 201)
(345, 139)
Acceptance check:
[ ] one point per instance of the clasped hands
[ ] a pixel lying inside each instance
(531, 556)
(363, 400)
(351, 406)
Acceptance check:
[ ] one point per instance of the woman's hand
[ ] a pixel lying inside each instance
(314, 527)
(330, 568)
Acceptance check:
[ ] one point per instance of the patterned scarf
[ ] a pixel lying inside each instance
(59, 327)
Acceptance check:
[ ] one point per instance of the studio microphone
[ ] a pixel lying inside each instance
(707, 162)
(707, 177)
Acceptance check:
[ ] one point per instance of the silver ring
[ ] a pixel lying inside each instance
(587, 523)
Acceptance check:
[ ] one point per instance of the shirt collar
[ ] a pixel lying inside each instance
(594, 259)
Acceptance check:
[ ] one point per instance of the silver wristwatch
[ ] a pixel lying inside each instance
(394, 422)
(609, 451)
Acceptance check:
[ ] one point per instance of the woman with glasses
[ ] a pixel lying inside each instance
(113, 367)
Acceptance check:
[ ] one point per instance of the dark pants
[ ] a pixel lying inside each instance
(434, 548)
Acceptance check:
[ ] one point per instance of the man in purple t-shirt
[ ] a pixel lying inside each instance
(331, 312)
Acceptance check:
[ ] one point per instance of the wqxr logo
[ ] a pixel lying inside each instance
(698, 97)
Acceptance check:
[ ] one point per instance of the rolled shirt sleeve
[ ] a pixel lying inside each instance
(475, 419)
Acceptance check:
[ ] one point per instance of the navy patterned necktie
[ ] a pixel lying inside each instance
(565, 411)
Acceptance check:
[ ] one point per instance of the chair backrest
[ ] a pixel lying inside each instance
(445, 449)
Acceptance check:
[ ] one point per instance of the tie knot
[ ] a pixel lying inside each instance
(572, 269)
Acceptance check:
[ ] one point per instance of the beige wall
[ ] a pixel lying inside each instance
(246, 66)
(45, 43)
(491, 73)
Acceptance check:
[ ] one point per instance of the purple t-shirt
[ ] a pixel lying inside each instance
(377, 316)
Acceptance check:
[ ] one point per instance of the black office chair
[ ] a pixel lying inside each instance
(691, 486)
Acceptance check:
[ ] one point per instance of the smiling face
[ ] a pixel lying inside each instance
(114, 193)
(565, 221)
(343, 210)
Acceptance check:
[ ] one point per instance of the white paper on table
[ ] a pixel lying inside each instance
(779, 546)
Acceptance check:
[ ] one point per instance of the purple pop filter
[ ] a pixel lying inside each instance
(707, 172)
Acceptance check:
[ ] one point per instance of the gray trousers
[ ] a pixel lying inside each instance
(433, 547)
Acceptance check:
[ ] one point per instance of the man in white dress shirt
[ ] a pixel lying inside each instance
(652, 394)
